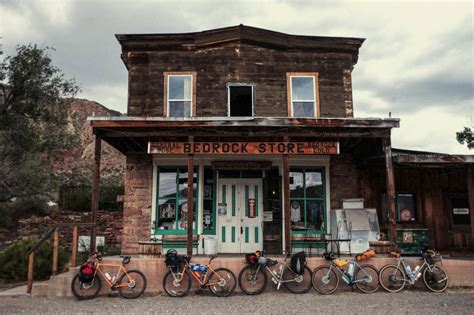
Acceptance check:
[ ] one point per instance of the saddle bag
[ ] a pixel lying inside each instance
(86, 272)
(298, 262)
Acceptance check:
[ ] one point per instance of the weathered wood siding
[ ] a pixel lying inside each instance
(432, 188)
(215, 67)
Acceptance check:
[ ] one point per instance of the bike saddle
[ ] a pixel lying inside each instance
(329, 256)
(126, 260)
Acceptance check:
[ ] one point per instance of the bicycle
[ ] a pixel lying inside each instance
(393, 278)
(177, 281)
(325, 280)
(133, 286)
(253, 279)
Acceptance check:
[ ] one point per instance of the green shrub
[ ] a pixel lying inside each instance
(11, 212)
(14, 260)
(79, 198)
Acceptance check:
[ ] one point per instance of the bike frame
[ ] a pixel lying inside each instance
(121, 270)
(197, 275)
(279, 276)
(411, 280)
(352, 281)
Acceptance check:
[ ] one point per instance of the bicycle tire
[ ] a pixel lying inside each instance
(429, 277)
(94, 292)
(138, 276)
(249, 271)
(229, 277)
(329, 275)
(388, 276)
(373, 277)
(173, 293)
(294, 286)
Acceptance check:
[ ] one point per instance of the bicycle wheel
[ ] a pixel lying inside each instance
(298, 283)
(86, 291)
(134, 284)
(391, 278)
(325, 280)
(176, 287)
(251, 281)
(436, 279)
(223, 282)
(367, 278)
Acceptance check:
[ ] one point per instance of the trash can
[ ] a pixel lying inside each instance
(210, 246)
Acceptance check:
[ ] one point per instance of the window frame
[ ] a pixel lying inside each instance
(166, 100)
(322, 199)
(177, 198)
(289, 85)
(229, 85)
(397, 208)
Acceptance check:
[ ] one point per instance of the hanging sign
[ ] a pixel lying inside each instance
(460, 210)
(252, 212)
(243, 148)
(222, 209)
(267, 216)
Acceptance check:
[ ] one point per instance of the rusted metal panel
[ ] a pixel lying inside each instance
(243, 148)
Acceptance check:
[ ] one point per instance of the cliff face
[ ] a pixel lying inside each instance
(79, 160)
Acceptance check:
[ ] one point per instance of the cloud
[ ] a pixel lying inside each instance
(417, 61)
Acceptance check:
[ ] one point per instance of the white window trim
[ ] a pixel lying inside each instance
(229, 85)
(179, 100)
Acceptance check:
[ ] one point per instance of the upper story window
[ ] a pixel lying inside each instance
(180, 94)
(240, 99)
(303, 98)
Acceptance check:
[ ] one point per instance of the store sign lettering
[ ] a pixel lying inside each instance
(243, 148)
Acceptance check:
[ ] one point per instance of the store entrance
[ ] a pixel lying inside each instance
(239, 215)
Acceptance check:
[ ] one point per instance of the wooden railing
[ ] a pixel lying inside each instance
(54, 233)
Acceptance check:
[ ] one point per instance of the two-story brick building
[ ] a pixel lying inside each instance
(263, 123)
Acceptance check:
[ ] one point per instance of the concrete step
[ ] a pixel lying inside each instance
(40, 289)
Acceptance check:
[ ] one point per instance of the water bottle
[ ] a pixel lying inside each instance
(350, 269)
(113, 276)
(346, 279)
(409, 272)
(108, 276)
(417, 273)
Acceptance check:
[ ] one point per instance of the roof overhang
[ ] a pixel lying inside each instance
(434, 159)
(162, 122)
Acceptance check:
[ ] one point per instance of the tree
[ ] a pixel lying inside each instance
(466, 137)
(33, 121)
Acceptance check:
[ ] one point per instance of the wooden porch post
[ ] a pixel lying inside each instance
(470, 193)
(190, 204)
(286, 202)
(55, 251)
(390, 189)
(74, 246)
(95, 191)
(31, 269)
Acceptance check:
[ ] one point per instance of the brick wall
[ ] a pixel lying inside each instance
(137, 201)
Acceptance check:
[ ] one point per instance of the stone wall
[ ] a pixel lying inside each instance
(218, 66)
(137, 201)
(109, 225)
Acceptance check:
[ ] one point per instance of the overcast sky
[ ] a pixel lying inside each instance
(417, 61)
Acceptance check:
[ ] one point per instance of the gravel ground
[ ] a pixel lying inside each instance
(408, 301)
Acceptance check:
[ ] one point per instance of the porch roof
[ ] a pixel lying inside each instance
(424, 158)
(132, 134)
